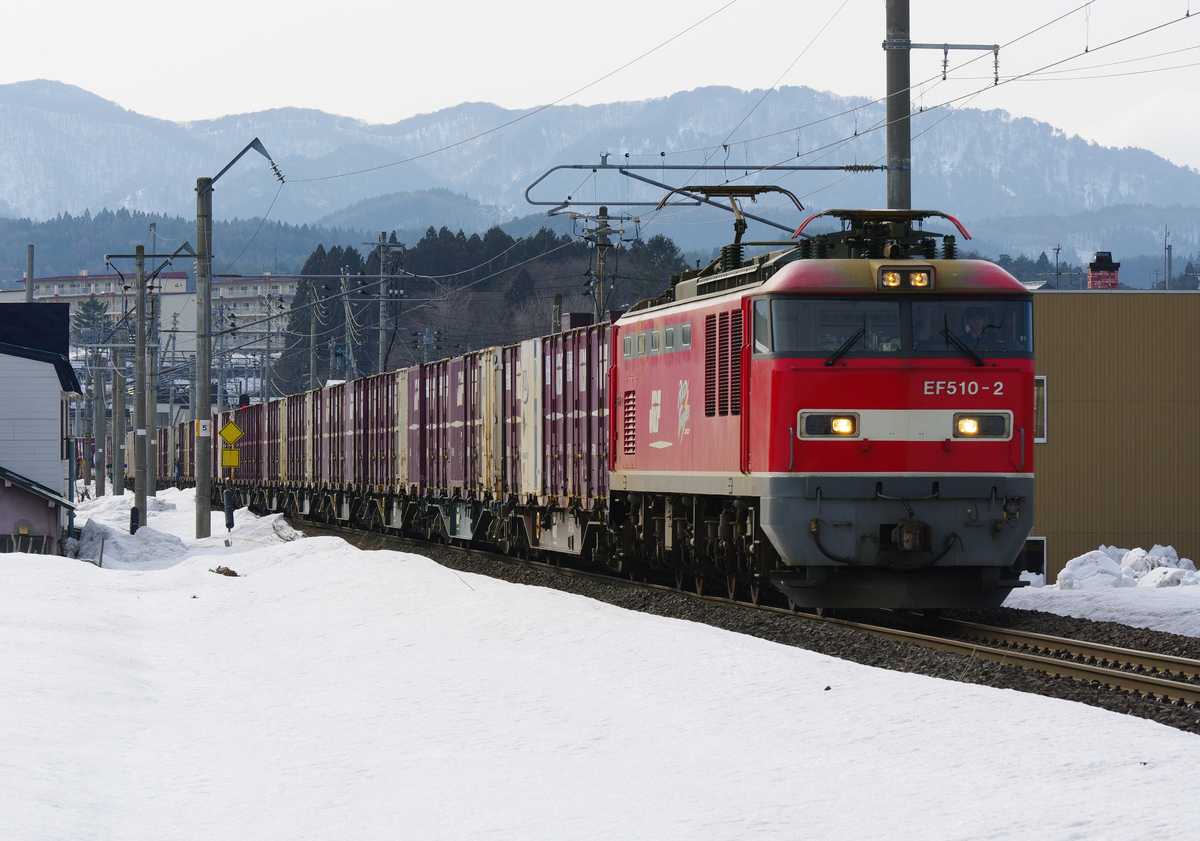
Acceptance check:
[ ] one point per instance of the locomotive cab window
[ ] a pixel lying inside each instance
(687, 335)
(846, 327)
(654, 341)
(982, 325)
(762, 326)
(669, 338)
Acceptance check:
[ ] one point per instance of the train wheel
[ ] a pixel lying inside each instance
(755, 593)
(731, 585)
(679, 579)
(699, 585)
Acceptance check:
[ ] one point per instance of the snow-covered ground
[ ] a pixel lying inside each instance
(332, 693)
(1152, 588)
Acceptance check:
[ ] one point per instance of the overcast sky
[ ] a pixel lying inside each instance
(382, 62)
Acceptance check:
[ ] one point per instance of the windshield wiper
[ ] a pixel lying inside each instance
(849, 343)
(959, 343)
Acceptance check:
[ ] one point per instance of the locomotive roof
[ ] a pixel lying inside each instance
(785, 273)
(953, 276)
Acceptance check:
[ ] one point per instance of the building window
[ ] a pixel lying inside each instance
(1039, 410)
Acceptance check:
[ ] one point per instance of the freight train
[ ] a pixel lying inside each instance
(846, 420)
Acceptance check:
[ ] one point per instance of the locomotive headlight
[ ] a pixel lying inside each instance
(906, 278)
(829, 426)
(980, 426)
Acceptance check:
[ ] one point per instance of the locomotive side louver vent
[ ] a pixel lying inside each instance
(723, 364)
(735, 362)
(629, 422)
(710, 365)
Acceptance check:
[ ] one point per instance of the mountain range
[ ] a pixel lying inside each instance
(1021, 185)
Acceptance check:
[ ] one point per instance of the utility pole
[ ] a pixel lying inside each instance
(898, 46)
(1058, 273)
(351, 368)
(203, 404)
(1167, 257)
(29, 274)
(203, 381)
(383, 256)
(118, 413)
(89, 416)
(98, 426)
(603, 243)
(152, 397)
(266, 388)
(224, 324)
(899, 103)
(139, 390)
(312, 343)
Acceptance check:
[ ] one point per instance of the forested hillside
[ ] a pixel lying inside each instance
(66, 244)
(450, 294)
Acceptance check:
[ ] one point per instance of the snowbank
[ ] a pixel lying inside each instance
(1142, 588)
(1109, 566)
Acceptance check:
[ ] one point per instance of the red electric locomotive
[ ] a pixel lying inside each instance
(850, 419)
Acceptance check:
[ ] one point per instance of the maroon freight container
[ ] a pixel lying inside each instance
(296, 432)
(575, 393)
(375, 429)
(418, 435)
(338, 434)
(510, 420)
(273, 428)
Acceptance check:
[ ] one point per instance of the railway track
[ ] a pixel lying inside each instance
(1160, 677)
(1155, 677)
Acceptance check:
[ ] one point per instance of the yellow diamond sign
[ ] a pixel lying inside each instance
(230, 433)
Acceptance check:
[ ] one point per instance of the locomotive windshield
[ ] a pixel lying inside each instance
(982, 324)
(800, 325)
(844, 326)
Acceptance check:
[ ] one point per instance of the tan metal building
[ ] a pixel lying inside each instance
(1118, 453)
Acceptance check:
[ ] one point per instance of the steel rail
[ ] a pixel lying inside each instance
(1105, 655)
(1116, 679)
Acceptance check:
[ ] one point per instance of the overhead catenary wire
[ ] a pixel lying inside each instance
(970, 96)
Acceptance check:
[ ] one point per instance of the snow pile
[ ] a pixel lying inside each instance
(105, 538)
(115, 549)
(1109, 566)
